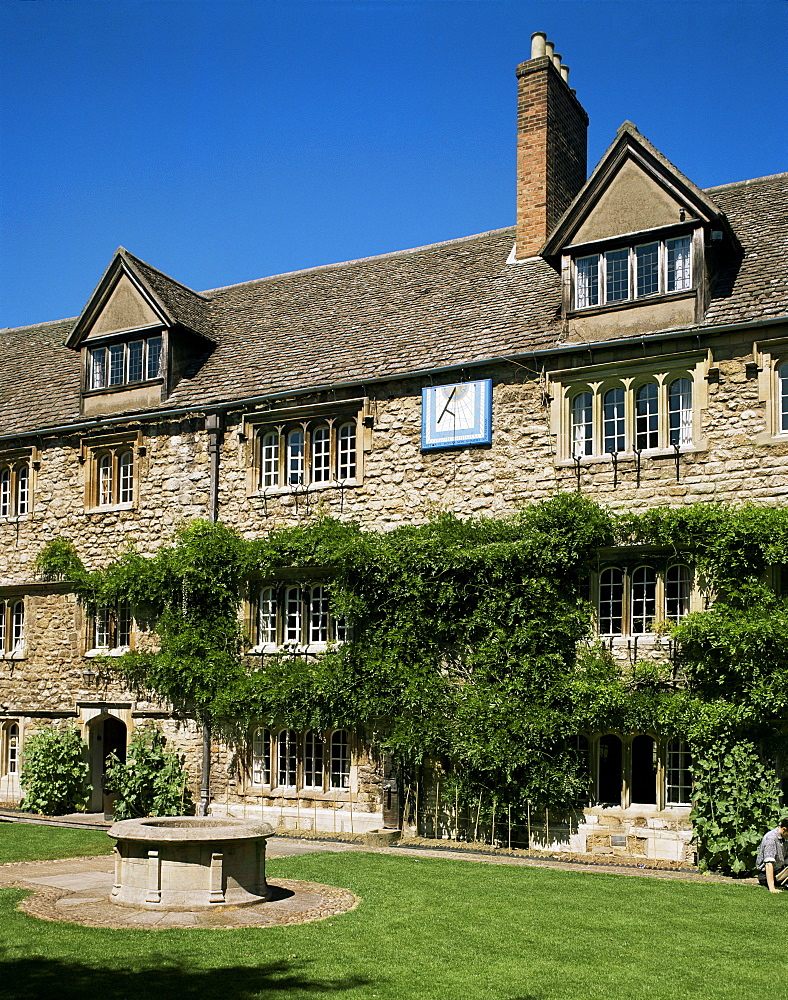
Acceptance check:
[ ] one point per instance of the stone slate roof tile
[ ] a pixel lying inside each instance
(383, 317)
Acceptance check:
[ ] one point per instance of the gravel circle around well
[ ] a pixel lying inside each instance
(294, 902)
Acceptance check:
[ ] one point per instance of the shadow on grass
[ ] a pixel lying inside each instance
(39, 978)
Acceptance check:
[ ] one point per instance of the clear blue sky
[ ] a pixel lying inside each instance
(223, 141)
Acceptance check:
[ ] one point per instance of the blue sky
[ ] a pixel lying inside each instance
(223, 141)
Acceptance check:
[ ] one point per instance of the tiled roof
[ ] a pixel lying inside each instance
(757, 287)
(436, 306)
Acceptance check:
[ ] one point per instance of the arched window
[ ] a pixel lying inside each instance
(313, 760)
(22, 490)
(287, 750)
(680, 411)
(5, 492)
(105, 497)
(644, 599)
(678, 786)
(295, 458)
(678, 582)
(12, 749)
(647, 417)
(321, 454)
(269, 459)
(126, 477)
(261, 757)
(346, 452)
(782, 395)
(318, 614)
(611, 601)
(340, 760)
(18, 626)
(101, 629)
(266, 617)
(582, 425)
(610, 770)
(613, 414)
(644, 770)
(292, 630)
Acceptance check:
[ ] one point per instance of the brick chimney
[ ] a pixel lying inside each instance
(551, 145)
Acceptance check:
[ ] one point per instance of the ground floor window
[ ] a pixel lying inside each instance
(311, 760)
(9, 748)
(635, 770)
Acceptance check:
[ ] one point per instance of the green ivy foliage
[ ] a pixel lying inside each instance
(472, 640)
(152, 781)
(55, 772)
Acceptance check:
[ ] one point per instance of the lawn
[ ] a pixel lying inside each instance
(429, 930)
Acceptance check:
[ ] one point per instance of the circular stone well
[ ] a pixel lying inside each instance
(186, 862)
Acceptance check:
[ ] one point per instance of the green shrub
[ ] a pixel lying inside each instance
(55, 772)
(735, 801)
(151, 782)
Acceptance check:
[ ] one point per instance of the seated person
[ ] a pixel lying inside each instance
(772, 860)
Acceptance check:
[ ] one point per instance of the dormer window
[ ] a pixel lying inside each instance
(125, 363)
(633, 272)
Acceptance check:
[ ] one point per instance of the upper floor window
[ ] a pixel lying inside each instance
(12, 628)
(633, 601)
(782, 396)
(308, 453)
(632, 415)
(634, 272)
(14, 488)
(110, 630)
(111, 468)
(124, 363)
(295, 615)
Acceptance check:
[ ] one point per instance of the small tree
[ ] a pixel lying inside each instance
(152, 781)
(55, 772)
(191, 591)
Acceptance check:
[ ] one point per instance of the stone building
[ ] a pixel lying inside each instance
(628, 338)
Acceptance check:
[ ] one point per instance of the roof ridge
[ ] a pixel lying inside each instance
(128, 254)
(360, 260)
(749, 180)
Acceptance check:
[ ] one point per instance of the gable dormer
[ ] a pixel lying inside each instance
(138, 334)
(638, 247)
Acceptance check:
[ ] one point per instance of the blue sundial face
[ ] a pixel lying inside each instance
(457, 415)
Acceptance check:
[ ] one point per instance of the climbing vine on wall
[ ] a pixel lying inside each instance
(472, 641)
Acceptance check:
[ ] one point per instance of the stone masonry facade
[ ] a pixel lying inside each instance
(205, 423)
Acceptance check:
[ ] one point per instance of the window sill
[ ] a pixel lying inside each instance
(293, 649)
(16, 654)
(109, 508)
(106, 651)
(15, 518)
(287, 791)
(646, 300)
(110, 390)
(301, 488)
(631, 456)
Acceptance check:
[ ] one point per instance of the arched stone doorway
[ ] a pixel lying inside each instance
(106, 735)
(644, 770)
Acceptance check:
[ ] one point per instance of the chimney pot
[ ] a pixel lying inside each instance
(565, 73)
(549, 49)
(557, 61)
(538, 39)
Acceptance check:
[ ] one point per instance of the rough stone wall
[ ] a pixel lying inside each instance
(401, 484)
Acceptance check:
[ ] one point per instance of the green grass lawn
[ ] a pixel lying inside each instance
(27, 842)
(429, 930)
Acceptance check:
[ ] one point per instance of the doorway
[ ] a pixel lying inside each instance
(644, 770)
(107, 736)
(610, 770)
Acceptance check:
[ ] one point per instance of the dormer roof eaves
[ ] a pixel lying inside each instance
(629, 143)
(174, 302)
